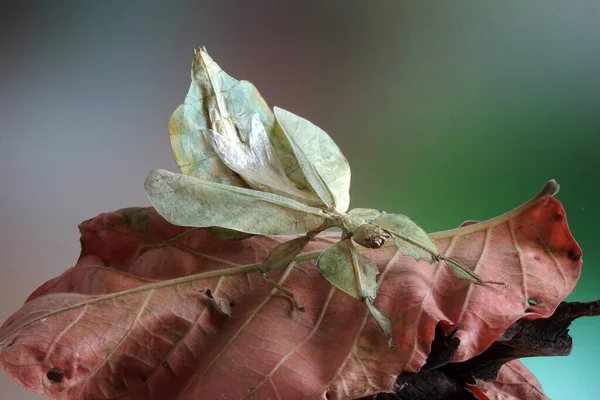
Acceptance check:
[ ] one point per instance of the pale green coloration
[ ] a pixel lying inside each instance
(463, 272)
(409, 237)
(188, 201)
(412, 240)
(206, 107)
(256, 163)
(382, 320)
(192, 149)
(249, 170)
(359, 216)
(283, 254)
(322, 162)
(368, 214)
(228, 234)
(355, 275)
(361, 265)
(218, 102)
(336, 264)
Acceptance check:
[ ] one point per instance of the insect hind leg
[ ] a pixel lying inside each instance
(288, 293)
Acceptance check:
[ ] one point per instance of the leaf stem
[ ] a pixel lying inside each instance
(549, 190)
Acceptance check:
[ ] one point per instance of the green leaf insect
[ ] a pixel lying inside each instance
(249, 170)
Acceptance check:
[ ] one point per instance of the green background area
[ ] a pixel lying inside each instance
(447, 111)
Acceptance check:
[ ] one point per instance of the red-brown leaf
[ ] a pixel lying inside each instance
(171, 342)
(515, 382)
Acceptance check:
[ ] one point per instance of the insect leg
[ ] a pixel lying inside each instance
(169, 241)
(463, 272)
(285, 291)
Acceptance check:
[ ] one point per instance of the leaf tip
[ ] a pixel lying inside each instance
(550, 188)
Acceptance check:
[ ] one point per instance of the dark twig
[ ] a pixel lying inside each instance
(439, 379)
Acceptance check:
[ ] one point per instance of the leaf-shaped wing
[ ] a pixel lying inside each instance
(359, 216)
(409, 237)
(322, 162)
(218, 102)
(188, 201)
(192, 148)
(207, 106)
(368, 215)
(256, 163)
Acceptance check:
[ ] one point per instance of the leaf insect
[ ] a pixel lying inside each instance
(249, 170)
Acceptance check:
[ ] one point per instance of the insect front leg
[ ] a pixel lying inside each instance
(281, 256)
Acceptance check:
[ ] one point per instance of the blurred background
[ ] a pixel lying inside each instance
(447, 111)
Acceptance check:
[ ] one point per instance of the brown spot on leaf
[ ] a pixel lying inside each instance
(55, 375)
(557, 217)
(573, 255)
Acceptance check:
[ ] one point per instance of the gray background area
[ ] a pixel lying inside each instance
(447, 111)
